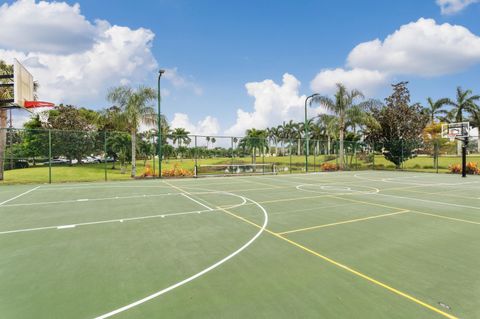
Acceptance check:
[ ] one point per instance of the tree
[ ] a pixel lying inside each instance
(35, 141)
(328, 124)
(74, 136)
(180, 136)
(399, 125)
(434, 108)
(254, 140)
(134, 105)
(5, 93)
(465, 102)
(342, 103)
(118, 147)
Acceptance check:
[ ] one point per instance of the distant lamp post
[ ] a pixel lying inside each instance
(160, 73)
(306, 130)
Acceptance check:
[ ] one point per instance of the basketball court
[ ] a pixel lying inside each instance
(339, 245)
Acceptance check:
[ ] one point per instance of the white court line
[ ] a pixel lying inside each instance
(121, 220)
(391, 180)
(426, 200)
(89, 199)
(196, 201)
(201, 273)
(24, 193)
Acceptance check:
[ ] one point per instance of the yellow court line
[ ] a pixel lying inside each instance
(349, 269)
(343, 222)
(413, 211)
(260, 183)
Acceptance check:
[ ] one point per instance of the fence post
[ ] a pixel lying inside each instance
(105, 153)
(233, 153)
(401, 154)
(290, 154)
(355, 154)
(373, 152)
(195, 155)
(49, 156)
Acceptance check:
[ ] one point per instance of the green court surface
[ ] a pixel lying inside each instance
(328, 245)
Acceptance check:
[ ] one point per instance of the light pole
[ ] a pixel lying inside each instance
(160, 73)
(306, 130)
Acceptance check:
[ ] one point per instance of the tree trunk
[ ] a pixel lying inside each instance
(134, 153)
(3, 139)
(328, 144)
(459, 147)
(298, 147)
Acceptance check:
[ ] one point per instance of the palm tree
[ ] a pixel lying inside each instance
(343, 101)
(180, 136)
(329, 127)
(465, 102)
(273, 136)
(213, 140)
(208, 140)
(134, 105)
(434, 108)
(254, 139)
(316, 135)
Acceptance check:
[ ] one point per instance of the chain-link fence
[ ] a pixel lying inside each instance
(45, 156)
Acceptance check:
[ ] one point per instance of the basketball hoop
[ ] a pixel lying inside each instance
(35, 104)
(454, 131)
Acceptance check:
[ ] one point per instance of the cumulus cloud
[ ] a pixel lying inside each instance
(454, 6)
(422, 48)
(273, 104)
(75, 61)
(208, 126)
(45, 27)
(364, 80)
(182, 82)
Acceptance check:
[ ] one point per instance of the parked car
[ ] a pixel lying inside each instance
(90, 160)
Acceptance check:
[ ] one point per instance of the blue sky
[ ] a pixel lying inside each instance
(214, 48)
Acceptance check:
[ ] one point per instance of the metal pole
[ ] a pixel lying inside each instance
(290, 151)
(49, 156)
(159, 126)
(195, 154)
(105, 152)
(464, 157)
(306, 131)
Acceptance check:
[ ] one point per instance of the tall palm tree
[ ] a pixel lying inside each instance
(329, 126)
(343, 101)
(434, 108)
(465, 102)
(273, 137)
(254, 140)
(208, 140)
(180, 136)
(134, 105)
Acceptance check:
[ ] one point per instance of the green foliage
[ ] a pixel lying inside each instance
(400, 125)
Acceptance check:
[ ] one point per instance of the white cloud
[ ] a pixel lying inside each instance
(74, 60)
(208, 126)
(454, 6)
(45, 27)
(274, 104)
(181, 82)
(422, 48)
(364, 80)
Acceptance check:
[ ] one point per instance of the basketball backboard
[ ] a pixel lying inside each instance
(455, 131)
(22, 84)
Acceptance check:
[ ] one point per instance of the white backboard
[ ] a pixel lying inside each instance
(22, 84)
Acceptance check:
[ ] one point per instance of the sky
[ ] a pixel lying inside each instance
(234, 65)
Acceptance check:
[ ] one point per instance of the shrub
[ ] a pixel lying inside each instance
(329, 167)
(472, 168)
(176, 171)
(416, 166)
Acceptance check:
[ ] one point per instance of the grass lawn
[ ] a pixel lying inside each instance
(285, 164)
